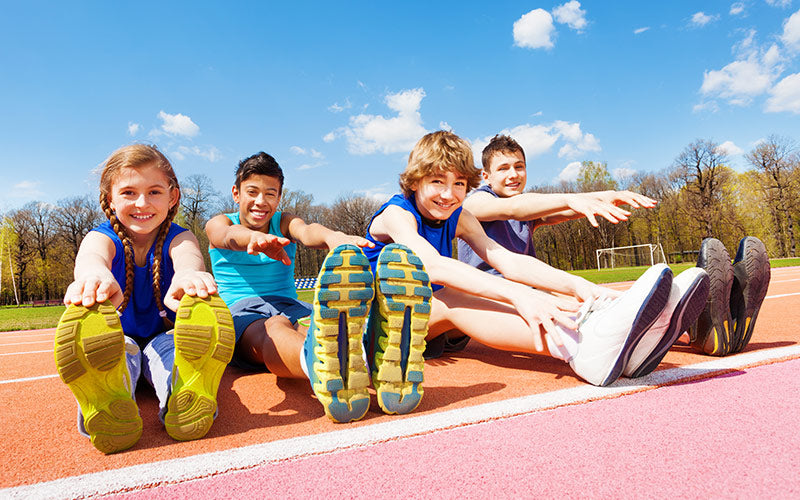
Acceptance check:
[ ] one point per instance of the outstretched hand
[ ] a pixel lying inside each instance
(270, 245)
(339, 238)
(543, 312)
(635, 200)
(88, 290)
(590, 206)
(195, 283)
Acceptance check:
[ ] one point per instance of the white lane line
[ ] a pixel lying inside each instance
(198, 466)
(781, 295)
(47, 341)
(28, 379)
(24, 352)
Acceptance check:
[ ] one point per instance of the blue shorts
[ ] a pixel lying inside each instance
(246, 311)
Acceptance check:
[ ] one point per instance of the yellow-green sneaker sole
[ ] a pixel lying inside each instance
(90, 358)
(334, 351)
(403, 294)
(204, 342)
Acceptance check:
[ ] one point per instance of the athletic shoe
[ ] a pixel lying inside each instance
(607, 336)
(686, 301)
(713, 332)
(397, 329)
(751, 275)
(90, 357)
(333, 347)
(204, 342)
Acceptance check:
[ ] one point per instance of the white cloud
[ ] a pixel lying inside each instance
(210, 153)
(132, 128)
(729, 148)
(329, 137)
(571, 14)
(306, 166)
(297, 150)
(570, 172)
(779, 3)
(706, 105)
(540, 139)
(367, 134)
(638, 31)
(533, 30)
(178, 124)
(338, 108)
(791, 32)
(736, 9)
(700, 19)
(26, 190)
(752, 74)
(380, 193)
(785, 96)
(445, 126)
(623, 173)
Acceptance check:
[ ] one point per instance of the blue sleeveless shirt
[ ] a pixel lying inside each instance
(141, 317)
(240, 275)
(514, 235)
(439, 235)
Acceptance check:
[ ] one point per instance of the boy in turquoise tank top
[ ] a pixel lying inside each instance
(252, 256)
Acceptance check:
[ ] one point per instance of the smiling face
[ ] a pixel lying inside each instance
(258, 197)
(507, 173)
(439, 195)
(141, 198)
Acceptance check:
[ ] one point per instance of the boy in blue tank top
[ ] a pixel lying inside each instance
(516, 311)
(252, 257)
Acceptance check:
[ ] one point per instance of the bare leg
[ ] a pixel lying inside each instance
(491, 323)
(275, 343)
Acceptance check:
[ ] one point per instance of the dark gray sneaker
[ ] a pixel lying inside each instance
(713, 333)
(751, 279)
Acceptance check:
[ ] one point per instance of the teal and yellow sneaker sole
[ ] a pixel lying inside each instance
(333, 348)
(403, 297)
(90, 358)
(204, 342)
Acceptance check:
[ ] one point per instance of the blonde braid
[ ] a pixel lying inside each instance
(119, 229)
(157, 264)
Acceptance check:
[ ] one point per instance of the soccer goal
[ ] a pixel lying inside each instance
(630, 256)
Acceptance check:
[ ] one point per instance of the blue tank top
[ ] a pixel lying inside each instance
(440, 234)
(141, 317)
(240, 275)
(514, 235)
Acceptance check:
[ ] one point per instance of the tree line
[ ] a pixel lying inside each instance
(699, 195)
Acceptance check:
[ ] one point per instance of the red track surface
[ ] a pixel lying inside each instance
(639, 432)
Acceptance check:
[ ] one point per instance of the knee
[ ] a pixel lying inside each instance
(277, 322)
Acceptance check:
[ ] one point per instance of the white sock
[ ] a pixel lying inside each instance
(303, 364)
(569, 339)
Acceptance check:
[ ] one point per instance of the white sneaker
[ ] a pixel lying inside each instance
(607, 336)
(686, 301)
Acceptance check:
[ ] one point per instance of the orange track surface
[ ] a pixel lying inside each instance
(41, 443)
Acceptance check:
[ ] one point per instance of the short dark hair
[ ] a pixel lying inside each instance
(259, 164)
(500, 144)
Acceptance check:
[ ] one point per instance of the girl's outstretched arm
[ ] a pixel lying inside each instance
(190, 271)
(94, 281)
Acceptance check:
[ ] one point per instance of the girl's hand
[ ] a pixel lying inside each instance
(88, 290)
(270, 245)
(195, 283)
(586, 290)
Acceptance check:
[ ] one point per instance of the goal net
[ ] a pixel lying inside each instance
(630, 256)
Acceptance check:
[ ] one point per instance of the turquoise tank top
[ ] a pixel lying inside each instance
(240, 275)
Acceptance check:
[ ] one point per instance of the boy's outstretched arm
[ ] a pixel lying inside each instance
(223, 233)
(94, 281)
(537, 309)
(552, 208)
(522, 268)
(316, 235)
(190, 271)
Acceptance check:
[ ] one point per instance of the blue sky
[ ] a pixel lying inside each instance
(339, 92)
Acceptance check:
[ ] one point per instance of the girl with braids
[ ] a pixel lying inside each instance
(131, 274)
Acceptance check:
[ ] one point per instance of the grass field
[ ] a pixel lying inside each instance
(32, 318)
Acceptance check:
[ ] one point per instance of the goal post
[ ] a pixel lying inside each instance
(630, 256)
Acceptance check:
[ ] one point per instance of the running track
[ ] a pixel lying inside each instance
(491, 423)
